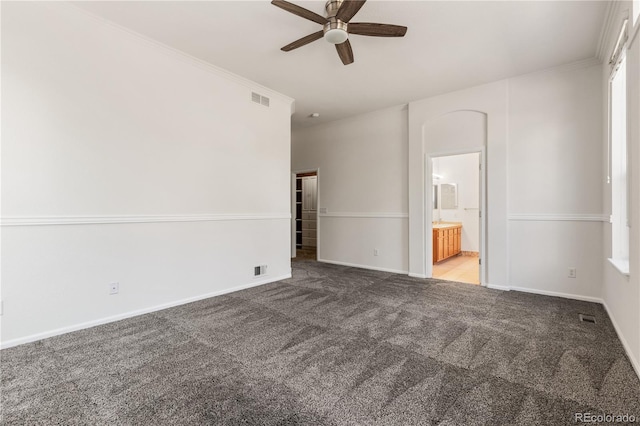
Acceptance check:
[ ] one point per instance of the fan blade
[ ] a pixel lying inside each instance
(300, 11)
(348, 9)
(345, 52)
(376, 30)
(304, 40)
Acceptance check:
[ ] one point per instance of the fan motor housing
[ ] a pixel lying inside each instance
(335, 24)
(332, 7)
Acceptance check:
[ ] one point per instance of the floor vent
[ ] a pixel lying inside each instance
(587, 318)
(259, 270)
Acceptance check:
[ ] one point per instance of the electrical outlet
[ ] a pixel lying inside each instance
(375, 252)
(572, 272)
(114, 288)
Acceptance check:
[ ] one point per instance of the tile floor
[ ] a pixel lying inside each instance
(463, 269)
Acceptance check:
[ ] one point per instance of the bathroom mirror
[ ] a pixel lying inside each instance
(435, 196)
(448, 196)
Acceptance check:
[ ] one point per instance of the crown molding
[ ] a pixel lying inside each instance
(605, 30)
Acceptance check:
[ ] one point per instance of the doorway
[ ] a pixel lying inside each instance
(457, 217)
(305, 217)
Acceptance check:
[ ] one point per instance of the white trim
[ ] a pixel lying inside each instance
(558, 294)
(318, 199)
(621, 266)
(101, 220)
(544, 217)
(498, 287)
(130, 314)
(611, 14)
(428, 207)
(367, 215)
(634, 30)
(418, 276)
(355, 265)
(625, 344)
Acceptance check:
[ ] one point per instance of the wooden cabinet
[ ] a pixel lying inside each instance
(446, 242)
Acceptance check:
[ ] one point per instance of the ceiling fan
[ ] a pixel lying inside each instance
(336, 26)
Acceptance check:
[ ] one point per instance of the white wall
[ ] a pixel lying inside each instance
(543, 149)
(547, 124)
(468, 120)
(554, 174)
(541, 133)
(362, 185)
(621, 293)
(184, 181)
(548, 202)
(462, 170)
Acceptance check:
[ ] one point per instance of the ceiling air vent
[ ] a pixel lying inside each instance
(259, 99)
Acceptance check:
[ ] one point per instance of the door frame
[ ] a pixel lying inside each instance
(294, 174)
(428, 216)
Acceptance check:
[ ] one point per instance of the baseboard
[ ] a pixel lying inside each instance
(625, 344)
(354, 265)
(498, 287)
(423, 276)
(558, 294)
(130, 314)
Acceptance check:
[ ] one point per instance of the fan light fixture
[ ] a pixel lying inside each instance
(336, 36)
(335, 31)
(337, 25)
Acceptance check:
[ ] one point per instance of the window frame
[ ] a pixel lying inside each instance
(620, 217)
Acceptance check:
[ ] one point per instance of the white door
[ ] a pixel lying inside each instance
(309, 192)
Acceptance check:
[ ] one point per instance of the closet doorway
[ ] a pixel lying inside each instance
(305, 235)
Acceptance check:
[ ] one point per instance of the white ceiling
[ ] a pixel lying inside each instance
(449, 45)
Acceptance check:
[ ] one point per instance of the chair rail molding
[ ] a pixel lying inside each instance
(116, 219)
(544, 217)
(374, 215)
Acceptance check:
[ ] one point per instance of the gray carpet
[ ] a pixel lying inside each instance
(331, 346)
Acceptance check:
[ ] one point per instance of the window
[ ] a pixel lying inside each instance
(618, 143)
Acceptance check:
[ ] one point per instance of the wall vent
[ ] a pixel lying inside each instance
(587, 318)
(259, 270)
(259, 99)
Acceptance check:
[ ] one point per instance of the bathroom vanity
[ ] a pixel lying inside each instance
(447, 238)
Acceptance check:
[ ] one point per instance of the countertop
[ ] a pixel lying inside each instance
(443, 225)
